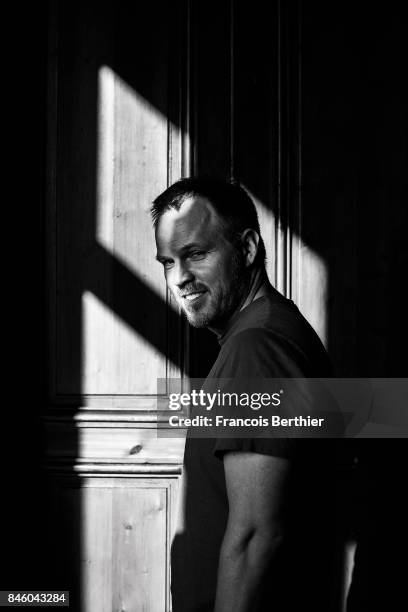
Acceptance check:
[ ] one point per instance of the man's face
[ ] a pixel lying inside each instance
(204, 271)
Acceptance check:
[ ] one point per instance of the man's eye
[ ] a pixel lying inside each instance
(197, 255)
(167, 264)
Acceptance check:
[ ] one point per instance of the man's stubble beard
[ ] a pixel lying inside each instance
(223, 303)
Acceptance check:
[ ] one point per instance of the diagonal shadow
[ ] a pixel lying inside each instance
(134, 302)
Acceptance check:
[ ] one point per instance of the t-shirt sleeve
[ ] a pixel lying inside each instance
(286, 448)
(255, 354)
(258, 353)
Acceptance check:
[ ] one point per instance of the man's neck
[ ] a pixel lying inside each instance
(259, 286)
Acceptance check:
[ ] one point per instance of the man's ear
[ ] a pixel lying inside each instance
(250, 242)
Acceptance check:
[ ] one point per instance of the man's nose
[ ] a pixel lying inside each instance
(182, 274)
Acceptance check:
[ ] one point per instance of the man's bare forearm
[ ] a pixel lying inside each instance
(242, 566)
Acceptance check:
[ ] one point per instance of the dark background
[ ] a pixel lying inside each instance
(354, 167)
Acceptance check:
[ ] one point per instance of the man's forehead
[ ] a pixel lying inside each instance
(195, 219)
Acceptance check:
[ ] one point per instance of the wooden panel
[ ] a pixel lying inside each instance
(62, 553)
(255, 73)
(117, 136)
(96, 549)
(140, 549)
(113, 331)
(83, 39)
(355, 183)
(111, 541)
(211, 49)
(245, 118)
(105, 443)
(311, 282)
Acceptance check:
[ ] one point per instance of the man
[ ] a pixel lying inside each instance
(253, 533)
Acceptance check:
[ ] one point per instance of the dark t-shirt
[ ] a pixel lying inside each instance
(269, 338)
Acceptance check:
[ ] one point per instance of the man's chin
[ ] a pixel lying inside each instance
(197, 320)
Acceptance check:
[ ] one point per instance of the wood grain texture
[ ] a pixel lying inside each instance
(132, 445)
(97, 549)
(139, 538)
(120, 138)
(118, 134)
(116, 532)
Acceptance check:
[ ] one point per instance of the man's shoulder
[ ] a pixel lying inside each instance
(250, 337)
(253, 352)
(267, 317)
(251, 340)
(285, 331)
(276, 340)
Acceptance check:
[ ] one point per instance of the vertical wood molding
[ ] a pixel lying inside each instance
(180, 155)
(51, 190)
(280, 253)
(232, 91)
(289, 201)
(306, 269)
(187, 84)
(294, 250)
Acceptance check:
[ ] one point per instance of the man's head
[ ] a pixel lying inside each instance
(208, 240)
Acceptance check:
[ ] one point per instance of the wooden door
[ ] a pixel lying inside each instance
(140, 95)
(116, 137)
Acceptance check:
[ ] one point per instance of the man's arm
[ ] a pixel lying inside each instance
(256, 488)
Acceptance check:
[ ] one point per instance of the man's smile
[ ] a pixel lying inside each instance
(191, 297)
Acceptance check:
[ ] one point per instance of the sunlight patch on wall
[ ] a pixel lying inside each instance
(311, 279)
(115, 358)
(295, 269)
(267, 226)
(132, 154)
(105, 161)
